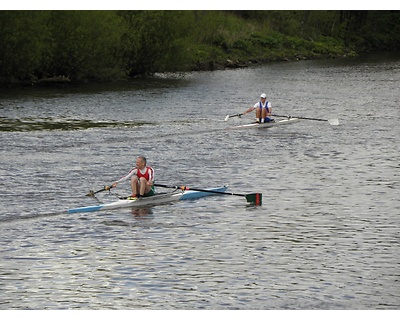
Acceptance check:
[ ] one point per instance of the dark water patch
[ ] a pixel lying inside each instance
(50, 124)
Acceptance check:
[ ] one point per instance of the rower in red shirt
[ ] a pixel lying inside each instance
(142, 179)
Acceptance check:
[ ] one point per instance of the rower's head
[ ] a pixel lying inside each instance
(263, 97)
(141, 162)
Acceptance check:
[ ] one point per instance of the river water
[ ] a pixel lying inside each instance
(326, 237)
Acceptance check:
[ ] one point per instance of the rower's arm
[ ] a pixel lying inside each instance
(249, 110)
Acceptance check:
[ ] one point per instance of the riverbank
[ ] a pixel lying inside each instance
(66, 47)
(260, 48)
(223, 63)
(243, 60)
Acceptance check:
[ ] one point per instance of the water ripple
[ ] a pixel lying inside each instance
(326, 236)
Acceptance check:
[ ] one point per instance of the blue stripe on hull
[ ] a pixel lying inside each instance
(85, 209)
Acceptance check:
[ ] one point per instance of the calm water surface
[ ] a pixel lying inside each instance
(326, 237)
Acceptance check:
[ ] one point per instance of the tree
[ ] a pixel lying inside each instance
(84, 44)
(23, 44)
(151, 41)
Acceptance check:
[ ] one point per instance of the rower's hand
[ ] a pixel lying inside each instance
(114, 185)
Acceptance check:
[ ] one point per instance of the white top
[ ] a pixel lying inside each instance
(266, 104)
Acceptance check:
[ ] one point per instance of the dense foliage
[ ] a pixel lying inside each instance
(105, 45)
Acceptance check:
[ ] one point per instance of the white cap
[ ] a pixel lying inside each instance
(263, 95)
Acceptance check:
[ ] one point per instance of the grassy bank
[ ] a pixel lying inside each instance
(258, 48)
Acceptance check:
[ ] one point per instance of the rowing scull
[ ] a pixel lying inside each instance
(157, 199)
(266, 124)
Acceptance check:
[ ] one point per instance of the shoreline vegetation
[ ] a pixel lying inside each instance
(44, 48)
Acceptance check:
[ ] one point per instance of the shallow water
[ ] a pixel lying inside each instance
(326, 236)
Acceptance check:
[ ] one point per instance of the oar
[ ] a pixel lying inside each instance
(332, 122)
(92, 193)
(255, 198)
(233, 115)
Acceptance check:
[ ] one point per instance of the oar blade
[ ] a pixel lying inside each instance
(333, 122)
(233, 115)
(255, 198)
(93, 193)
(90, 194)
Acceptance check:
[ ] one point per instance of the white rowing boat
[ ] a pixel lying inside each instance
(157, 199)
(266, 124)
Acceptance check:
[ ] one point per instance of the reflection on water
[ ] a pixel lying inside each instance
(141, 212)
(326, 236)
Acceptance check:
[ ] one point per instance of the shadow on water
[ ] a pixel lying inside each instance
(137, 213)
(15, 218)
